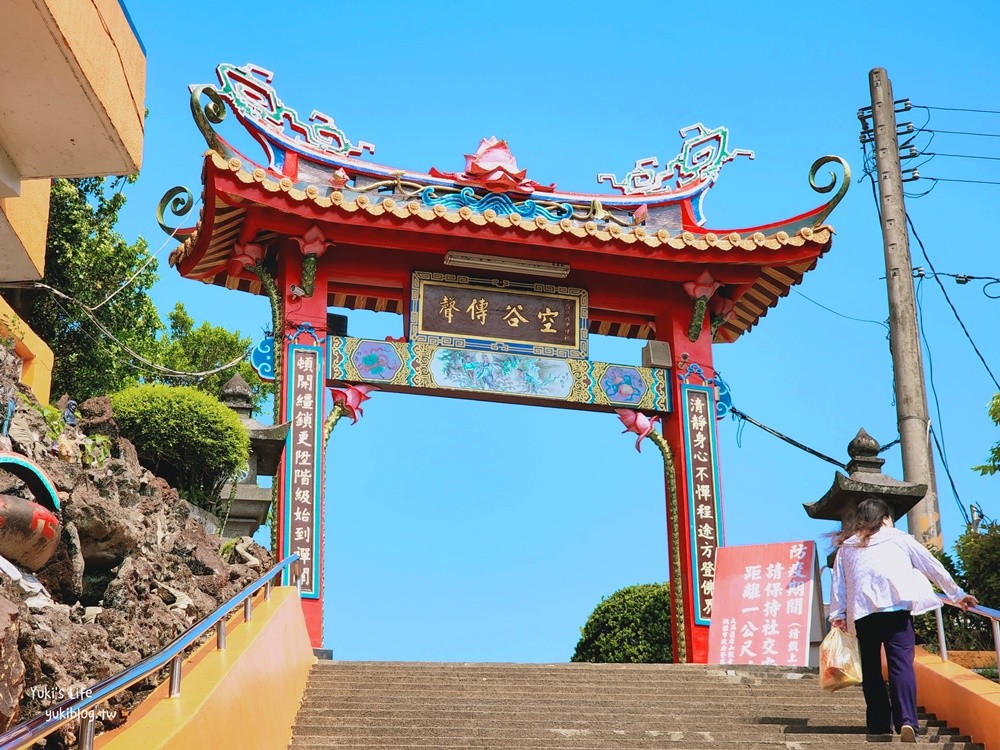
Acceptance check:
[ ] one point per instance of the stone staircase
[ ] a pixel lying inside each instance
(369, 705)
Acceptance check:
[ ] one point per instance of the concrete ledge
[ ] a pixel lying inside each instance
(962, 698)
(244, 697)
(34, 353)
(24, 222)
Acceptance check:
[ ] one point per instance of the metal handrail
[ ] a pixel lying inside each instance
(81, 706)
(992, 614)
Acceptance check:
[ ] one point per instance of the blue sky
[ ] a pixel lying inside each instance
(459, 530)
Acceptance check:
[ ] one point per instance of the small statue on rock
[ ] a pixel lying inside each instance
(69, 413)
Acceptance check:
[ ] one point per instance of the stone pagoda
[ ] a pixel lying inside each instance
(267, 443)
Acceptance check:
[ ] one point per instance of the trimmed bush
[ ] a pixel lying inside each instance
(185, 436)
(630, 626)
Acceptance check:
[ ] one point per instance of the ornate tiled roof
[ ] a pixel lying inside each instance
(339, 201)
(314, 175)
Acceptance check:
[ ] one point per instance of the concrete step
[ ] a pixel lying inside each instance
(381, 705)
(724, 734)
(584, 742)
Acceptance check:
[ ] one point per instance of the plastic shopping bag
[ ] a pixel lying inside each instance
(839, 661)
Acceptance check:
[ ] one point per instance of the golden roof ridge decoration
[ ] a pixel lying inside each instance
(337, 200)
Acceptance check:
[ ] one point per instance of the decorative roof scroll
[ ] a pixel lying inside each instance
(698, 164)
(248, 91)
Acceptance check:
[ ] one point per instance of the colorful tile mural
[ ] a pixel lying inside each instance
(467, 373)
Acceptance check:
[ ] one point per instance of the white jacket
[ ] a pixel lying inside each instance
(888, 573)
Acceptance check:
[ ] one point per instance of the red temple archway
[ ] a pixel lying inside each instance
(500, 280)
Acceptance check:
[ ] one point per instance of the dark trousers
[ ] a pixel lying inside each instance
(894, 630)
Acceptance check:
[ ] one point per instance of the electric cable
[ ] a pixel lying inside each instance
(99, 341)
(791, 441)
(962, 156)
(957, 109)
(957, 132)
(839, 314)
(141, 268)
(890, 444)
(159, 369)
(954, 179)
(951, 481)
(958, 317)
(918, 296)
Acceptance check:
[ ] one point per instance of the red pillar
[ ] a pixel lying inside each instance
(300, 511)
(672, 325)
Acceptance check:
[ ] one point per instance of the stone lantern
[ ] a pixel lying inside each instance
(251, 503)
(864, 479)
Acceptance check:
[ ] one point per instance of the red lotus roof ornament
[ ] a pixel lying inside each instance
(493, 167)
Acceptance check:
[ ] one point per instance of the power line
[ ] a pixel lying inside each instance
(839, 314)
(957, 132)
(930, 361)
(951, 481)
(959, 109)
(962, 156)
(951, 179)
(160, 369)
(791, 441)
(890, 444)
(944, 291)
(141, 268)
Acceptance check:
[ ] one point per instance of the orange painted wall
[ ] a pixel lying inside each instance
(242, 698)
(962, 698)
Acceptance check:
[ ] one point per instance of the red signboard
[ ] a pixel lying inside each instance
(767, 607)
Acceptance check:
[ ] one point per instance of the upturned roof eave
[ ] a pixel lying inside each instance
(901, 496)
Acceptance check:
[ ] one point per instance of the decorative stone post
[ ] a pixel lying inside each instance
(251, 502)
(864, 479)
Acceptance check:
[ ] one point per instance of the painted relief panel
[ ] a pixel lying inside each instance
(408, 366)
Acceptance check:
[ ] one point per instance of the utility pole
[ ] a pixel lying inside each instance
(924, 520)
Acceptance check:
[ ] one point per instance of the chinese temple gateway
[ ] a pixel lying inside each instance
(500, 280)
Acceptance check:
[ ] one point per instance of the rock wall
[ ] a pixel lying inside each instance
(135, 567)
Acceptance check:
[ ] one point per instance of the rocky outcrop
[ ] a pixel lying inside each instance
(11, 665)
(134, 568)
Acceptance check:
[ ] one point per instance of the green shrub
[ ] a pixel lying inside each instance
(185, 436)
(979, 552)
(963, 631)
(630, 626)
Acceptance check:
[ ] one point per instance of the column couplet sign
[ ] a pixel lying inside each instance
(701, 456)
(303, 455)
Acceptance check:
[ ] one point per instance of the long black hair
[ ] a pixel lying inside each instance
(868, 519)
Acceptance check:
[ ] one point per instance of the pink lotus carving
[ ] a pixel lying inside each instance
(350, 399)
(313, 241)
(703, 286)
(638, 423)
(494, 167)
(246, 256)
(721, 306)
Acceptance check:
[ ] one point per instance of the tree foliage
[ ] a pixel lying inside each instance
(630, 626)
(91, 262)
(185, 436)
(992, 465)
(976, 570)
(88, 259)
(979, 552)
(198, 349)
